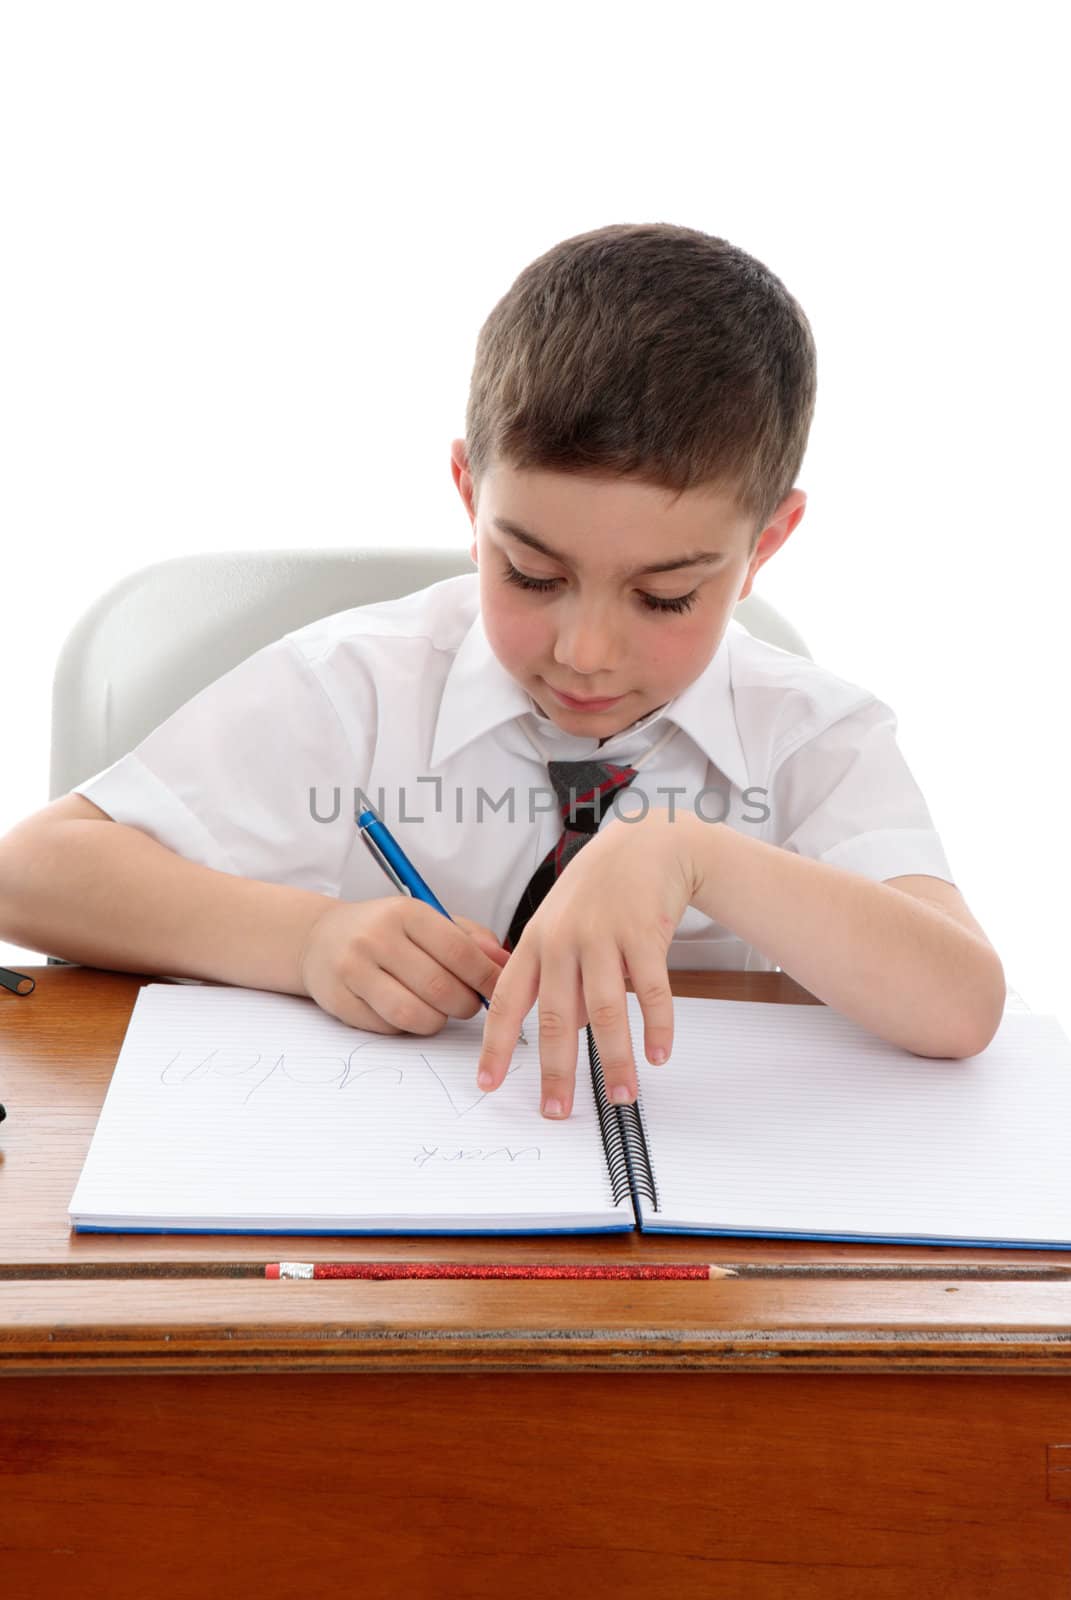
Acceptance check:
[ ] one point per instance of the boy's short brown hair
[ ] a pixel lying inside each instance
(652, 351)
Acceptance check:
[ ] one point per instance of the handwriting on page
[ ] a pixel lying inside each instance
(434, 1153)
(319, 1072)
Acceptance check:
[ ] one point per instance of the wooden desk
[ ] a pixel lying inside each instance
(837, 1421)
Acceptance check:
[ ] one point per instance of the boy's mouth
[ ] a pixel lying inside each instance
(575, 704)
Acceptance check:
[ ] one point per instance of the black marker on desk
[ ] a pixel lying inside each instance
(17, 982)
(389, 854)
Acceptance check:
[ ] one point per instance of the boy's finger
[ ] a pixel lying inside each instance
(558, 1026)
(507, 1008)
(396, 1003)
(607, 1007)
(353, 1009)
(650, 981)
(430, 980)
(485, 939)
(453, 947)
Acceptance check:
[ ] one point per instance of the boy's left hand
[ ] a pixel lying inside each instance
(611, 914)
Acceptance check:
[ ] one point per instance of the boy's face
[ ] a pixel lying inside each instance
(570, 605)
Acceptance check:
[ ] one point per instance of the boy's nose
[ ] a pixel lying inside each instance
(587, 644)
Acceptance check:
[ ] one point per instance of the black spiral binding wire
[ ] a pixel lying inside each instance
(624, 1138)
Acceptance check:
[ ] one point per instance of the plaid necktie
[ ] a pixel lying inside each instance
(585, 790)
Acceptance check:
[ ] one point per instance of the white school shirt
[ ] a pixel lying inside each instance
(405, 704)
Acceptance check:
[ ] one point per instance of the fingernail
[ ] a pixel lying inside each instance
(658, 1056)
(552, 1108)
(619, 1094)
(485, 1079)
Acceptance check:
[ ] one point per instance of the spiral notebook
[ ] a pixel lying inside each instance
(238, 1111)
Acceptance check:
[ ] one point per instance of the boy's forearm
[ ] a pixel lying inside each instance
(107, 895)
(897, 966)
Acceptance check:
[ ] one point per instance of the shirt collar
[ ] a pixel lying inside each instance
(480, 695)
(706, 712)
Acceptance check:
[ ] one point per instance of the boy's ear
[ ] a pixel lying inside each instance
(459, 468)
(784, 520)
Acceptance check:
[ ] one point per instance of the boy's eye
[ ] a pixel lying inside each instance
(651, 602)
(679, 602)
(523, 581)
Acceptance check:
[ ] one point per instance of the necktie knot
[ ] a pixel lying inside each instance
(585, 791)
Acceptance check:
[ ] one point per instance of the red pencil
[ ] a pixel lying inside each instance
(463, 1269)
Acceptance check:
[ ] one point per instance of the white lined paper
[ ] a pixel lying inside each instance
(787, 1118)
(240, 1109)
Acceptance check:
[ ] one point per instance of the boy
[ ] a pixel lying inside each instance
(638, 413)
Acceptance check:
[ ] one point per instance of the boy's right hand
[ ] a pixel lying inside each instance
(396, 966)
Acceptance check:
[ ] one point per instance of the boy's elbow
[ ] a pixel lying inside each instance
(30, 867)
(15, 889)
(982, 1012)
(987, 1008)
(8, 887)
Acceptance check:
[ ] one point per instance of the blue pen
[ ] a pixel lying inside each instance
(400, 870)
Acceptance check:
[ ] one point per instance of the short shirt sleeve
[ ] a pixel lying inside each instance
(847, 797)
(239, 777)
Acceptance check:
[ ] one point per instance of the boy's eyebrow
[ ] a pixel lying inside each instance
(701, 557)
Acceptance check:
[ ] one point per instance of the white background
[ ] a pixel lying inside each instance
(248, 248)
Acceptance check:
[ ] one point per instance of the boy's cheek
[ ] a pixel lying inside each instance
(678, 660)
(519, 642)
